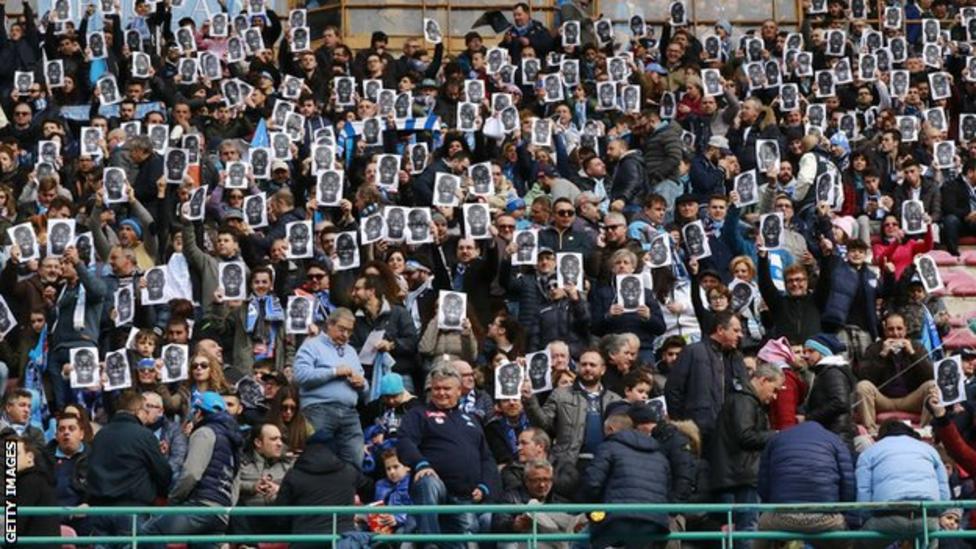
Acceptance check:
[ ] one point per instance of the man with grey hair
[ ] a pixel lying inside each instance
(172, 441)
(741, 434)
(537, 487)
(148, 168)
(331, 383)
(447, 450)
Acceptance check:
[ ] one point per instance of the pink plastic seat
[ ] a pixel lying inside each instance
(272, 546)
(959, 283)
(944, 259)
(68, 532)
(958, 338)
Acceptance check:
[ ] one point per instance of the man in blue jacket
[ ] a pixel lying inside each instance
(805, 464)
(449, 454)
(900, 467)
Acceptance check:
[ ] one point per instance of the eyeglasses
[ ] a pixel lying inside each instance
(612, 227)
(565, 213)
(201, 365)
(288, 407)
(506, 227)
(316, 276)
(21, 113)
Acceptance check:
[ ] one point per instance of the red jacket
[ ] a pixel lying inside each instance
(902, 253)
(782, 412)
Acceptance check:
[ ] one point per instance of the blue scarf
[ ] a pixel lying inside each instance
(33, 372)
(512, 432)
(324, 307)
(264, 317)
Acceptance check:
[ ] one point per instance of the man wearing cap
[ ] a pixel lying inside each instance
(712, 169)
(377, 45)
(548, 182)
(829, 402)
(209, 474)
(615, 237)
(629, 467)
(549, 312)
(136, 232)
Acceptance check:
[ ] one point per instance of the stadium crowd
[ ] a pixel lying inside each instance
(244, 265)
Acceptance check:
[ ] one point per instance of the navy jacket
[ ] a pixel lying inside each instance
(707, 179)
(453, 444)
(126, 466)
(845, 283)
(806, 464)
(629, 467)
(700, 381)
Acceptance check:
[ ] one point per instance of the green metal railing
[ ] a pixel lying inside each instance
(925, 509)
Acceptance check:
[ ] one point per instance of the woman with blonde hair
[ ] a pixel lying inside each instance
(206, 374)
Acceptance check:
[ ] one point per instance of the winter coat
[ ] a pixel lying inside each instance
(782, 411)
(452, 443)
(846, 283)
(878, 369)
(830, 399)
(824, 459)
(663, 150)
(79, 472)
(629, 467)
(564, 418)
(901, 468)
(740, 437)
(796, 318)
(126, 466)
(35, 488)
(707, 179)
(699, 382)
(254, 466)
(319, 478)
(684, 468)
(397, 326)
(629, 180)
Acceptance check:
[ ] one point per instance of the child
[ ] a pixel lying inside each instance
(393, 490)
(637, 386)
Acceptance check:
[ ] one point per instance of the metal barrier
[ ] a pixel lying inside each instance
(532, 538)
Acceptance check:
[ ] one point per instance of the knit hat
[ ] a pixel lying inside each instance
(724, 25)
(134, 225)
(846, 224)
(825, 344)
(391, 384)
(146, 364)
(777, 351)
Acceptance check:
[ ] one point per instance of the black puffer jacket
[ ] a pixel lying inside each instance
(830, 402)
(629, 179)
(322, 479)
(629, 467)
(394, 320)
(684, 468)
(740, 437)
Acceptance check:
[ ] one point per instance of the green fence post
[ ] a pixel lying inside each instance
(727, 539)
(534, 543)
(335, 528)
(135, 529)
(925, 525)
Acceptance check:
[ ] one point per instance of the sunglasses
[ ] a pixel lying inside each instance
(289, 407)
(565, 213)
(315, 276)
(201, 365)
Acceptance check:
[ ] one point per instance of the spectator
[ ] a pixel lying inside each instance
(537, 488)
(741, 435)
(900, 467)
(833, 386)
(69, 454)
(629, 467)
(17, 416)
(449, 456)
(895, 375)
(172, 441)
(829, 477)
(263, 467)
(574, 415)
(126, 466)
(209, 473)
(35, 489)
(331, 383)
(319, 478)
(704, 375)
